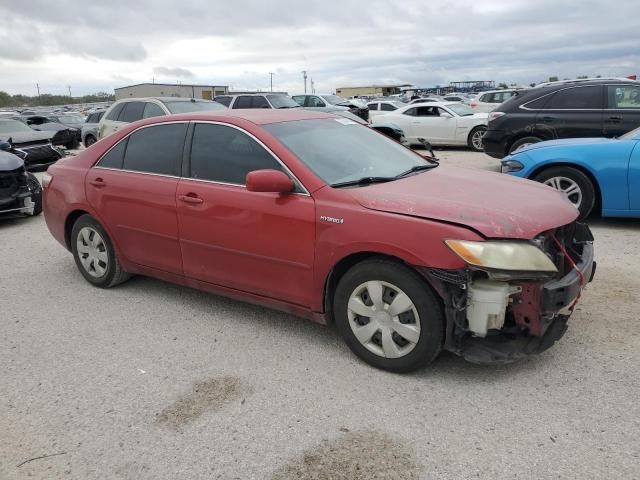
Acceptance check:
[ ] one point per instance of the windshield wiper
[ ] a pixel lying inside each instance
(417, 168)
(363, 181)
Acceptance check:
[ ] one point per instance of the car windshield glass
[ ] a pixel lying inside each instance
(632, 134)
(461, 109)
(185, 107)
(71, 119)
(10, 126)
(339, 150)
(282, 101)
(334, 99)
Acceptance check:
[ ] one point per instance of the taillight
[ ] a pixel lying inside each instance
(495, 115)
(473, 104)
(46, 179)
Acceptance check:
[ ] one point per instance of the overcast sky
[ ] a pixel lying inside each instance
(98, 45)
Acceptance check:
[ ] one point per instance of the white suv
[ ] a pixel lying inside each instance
(130, 110)
(267, 100)
(489, 101)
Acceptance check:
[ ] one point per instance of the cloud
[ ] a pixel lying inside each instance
(173, 72)
(378, 41)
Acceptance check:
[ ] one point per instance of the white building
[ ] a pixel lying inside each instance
(207, 92)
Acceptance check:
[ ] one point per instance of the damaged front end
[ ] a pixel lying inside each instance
(514, 299)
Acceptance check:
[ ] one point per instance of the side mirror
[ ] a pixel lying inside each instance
(445, 114)
(273, 181)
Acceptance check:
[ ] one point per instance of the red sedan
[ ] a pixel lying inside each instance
(316, 215)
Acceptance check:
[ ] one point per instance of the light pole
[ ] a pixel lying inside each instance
(271, 74)
(304, 75)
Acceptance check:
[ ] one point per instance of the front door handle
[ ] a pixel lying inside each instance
(190, 198)
(547, 119)
(615, 119)
(98, 182)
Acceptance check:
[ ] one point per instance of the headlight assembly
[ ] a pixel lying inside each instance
(519, 256)
(509, 166)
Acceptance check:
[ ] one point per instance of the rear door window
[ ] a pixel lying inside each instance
(387, 107)
(132, 112)
(243, 101)
(114, 157)
(259, 102)
(577, 98)
(623, 97)
(152, 110)
(157, 149)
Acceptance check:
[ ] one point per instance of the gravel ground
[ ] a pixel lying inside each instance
(154, 381)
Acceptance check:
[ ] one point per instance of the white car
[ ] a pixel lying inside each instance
(381, 107)
(128, 110)
(445, 124)
(489, 101)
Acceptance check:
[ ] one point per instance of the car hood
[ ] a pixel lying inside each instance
(493, 204)
(27, 137)
(567, 142)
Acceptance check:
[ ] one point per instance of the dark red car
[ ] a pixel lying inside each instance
(316, 215)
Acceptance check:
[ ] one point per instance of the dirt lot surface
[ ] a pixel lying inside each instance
(155, 381)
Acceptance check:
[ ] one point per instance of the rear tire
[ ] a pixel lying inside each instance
(398, 339)
(523, 142)
(475, 138)
(579, 188)
(94, 254)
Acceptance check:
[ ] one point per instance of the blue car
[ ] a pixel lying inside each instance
(597, 174)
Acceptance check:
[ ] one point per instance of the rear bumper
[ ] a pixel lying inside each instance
(495, 143)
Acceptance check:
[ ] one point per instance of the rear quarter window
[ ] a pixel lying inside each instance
(115, 112)
(114, 157)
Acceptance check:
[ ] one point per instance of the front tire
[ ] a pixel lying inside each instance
(89, 140)
(475, 138)
(94, 254)
(389, 316)
(574, 183)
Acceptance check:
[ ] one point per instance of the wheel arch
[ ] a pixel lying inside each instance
(345, 264)
(68, 225)
(597, 208)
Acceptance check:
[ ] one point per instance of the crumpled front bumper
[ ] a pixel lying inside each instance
(558, 297)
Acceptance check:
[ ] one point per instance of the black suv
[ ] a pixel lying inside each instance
(570, 109)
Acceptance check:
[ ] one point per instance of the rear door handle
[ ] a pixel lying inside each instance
(547, 119)
(190, 198)
(615, 119)
(98, 182)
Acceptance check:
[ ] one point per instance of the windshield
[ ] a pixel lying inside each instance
(460, 109)
(631, 135)
(335, 100)
(198, 106)
(13, 126)
(71, 119)
(339, 150)
(282, 101)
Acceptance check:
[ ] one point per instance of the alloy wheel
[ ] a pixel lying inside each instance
(383, 319)
(92, 252)
(476, 139)
(568, 186)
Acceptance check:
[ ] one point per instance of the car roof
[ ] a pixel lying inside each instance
(160, 99)
(258, 116)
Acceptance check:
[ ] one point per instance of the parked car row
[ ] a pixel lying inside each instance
(580, 137)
